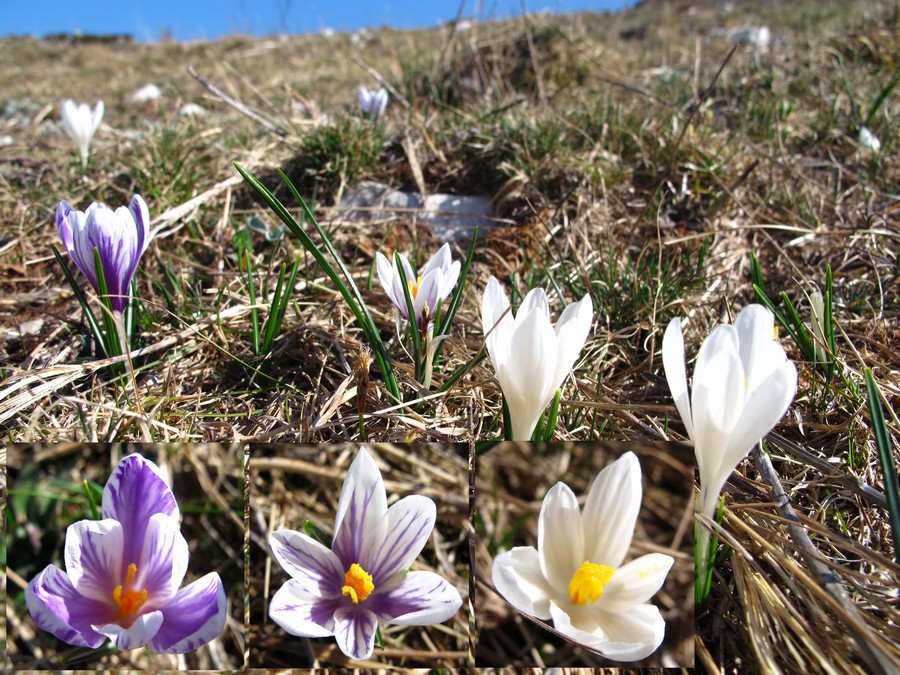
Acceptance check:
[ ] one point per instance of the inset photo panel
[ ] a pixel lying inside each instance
(584, 555)
(125, 557)
(359, 556)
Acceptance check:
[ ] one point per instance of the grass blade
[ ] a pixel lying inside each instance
(888, 470)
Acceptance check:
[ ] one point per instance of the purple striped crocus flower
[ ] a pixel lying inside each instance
(123, 574)
(364, 579)
(120, 236)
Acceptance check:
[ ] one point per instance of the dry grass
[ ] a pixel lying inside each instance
(647, 187)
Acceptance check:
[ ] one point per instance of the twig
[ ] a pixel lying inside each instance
(237, 105)
(878, 661)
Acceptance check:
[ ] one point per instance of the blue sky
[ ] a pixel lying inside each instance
(147, 20)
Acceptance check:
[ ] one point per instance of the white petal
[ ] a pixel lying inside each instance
(302, 613)
(676, 373)
(313, 565)
(527, 380)
(96, 117)
(611, 511)
(385, 275)
(164, 560)
(572, 330)
(144, 628)
(534, 301)
(93, 557)
(421, 599)
(560, 537)
(494, 305)
(517, 576)
(635, 583)
(628, 636)
(362, 505)
(354, 631)
(408, 525)
(755, 326)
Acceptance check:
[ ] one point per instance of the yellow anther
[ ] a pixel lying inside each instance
(414, 287)
(588, 581)
(357, 584)
(128, 599)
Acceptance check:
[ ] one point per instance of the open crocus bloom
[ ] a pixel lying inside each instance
(576, 577)
(363, 580)
(373, 102)
(427, 290)
(743, 384)
(123, 574)
(531, 357)
(81, 124)
(120, 236)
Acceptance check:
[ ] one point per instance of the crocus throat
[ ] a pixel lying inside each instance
(414, 287)
(588, 581)
(128, 599)
(357, 584)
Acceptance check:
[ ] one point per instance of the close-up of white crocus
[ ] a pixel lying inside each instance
(81, 123)
(531, 356)
(743, 384)
(373, 101)
(576, 575)
(427, 290)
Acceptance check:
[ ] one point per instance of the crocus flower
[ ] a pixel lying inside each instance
(123, 574)
(427, 290)
(576, 577)
(363, 580)
(373, 102)
(869, 141)
(531, 357)
(81, 124)
(121, 237)
(743, 384)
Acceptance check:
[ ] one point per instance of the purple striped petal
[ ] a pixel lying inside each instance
(408, 525)
(134, 492)
(301, 613)
(56, 607)
(163, 561)
(362, 505)
(421, 599)
(93, 557)
(136, 635)
(314, 566)
(354, 630)
(194, 617)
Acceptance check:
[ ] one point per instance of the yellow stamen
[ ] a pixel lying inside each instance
(414, 287)
(357, 584)
(128, 599)
(588, 581)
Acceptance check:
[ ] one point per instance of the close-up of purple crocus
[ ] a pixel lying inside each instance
(363, 579)
(123, 574)
(120, 236)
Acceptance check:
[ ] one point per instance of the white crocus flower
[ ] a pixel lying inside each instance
(743, 385)
(81, 123)
(373, 102)
(531, 357)
(869, 141)
(576, 577)
(427, 290)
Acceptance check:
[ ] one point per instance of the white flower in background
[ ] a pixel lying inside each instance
(81, 123)
(869, 141)
(576, 577)
(743, 385)
(373, 102)
(147, 93)
(427, 290)
(531, 357)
